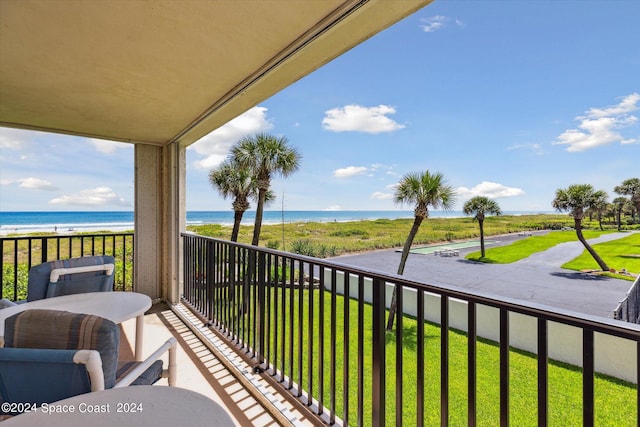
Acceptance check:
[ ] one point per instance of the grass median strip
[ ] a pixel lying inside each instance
(521, 249)
(621, 254)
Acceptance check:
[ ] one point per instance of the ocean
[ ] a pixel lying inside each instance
(76, 221)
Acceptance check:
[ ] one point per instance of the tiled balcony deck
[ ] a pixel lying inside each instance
(201, 369)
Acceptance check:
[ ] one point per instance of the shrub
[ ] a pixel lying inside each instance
(8, 282)
(349, 233)
(273, 244)
(309, 248)
(302, 247)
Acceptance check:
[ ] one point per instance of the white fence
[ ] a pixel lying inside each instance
(614, 356)
(629, 309)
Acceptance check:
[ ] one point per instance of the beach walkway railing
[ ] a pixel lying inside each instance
(20, 253)
(315, 330)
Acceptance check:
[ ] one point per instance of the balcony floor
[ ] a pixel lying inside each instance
(248, 398)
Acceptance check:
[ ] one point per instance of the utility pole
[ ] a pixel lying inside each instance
(284, 248)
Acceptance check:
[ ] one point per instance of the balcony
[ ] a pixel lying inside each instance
(267, 306)
(288, 317)
(269, 335)
(217, 373)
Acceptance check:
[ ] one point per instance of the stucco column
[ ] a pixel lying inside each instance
(159, 218)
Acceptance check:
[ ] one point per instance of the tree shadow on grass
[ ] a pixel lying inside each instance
(409, 336)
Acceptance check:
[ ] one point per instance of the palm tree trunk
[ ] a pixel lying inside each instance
(403, 260)
(237, 219)
(588, 247)
(481, 223)
(258, 223)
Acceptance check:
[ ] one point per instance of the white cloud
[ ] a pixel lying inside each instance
(492, 190)
(106, 147)
(101, 196)
(5, 181)
(433, 23)
(535, 147)
(360, 119)
(12, 139)
(215, 146)
(378, 195)
(437, 22)
(334, 208)
(600, 126)
(37, 184)
(626, 106)
(349, 171)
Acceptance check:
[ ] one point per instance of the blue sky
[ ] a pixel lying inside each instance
(507, 99)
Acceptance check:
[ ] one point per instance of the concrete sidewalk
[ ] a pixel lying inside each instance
(537, 279)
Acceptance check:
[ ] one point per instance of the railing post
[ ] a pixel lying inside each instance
(587, 378)
(444, 360)
(543, 373)
(378, 350)
(260, 316)
(504, 367)
(44, 251)
(471, 364)
(209, 285)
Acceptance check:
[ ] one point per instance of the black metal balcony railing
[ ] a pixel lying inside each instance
(288, 316)
(19, 254)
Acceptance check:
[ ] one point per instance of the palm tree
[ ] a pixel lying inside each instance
(230, 179)
(599, 206)
(630, 187)
(422, 189)
(619, 204)
(630, 209)
(576, 199)
(480, 206)
(265, 156)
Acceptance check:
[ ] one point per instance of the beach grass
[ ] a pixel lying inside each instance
(335, 238)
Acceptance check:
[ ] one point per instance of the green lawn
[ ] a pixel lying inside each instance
(615, 400)
(521, 249)
(618, 254)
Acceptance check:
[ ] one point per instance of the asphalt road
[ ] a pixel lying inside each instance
(536, 279)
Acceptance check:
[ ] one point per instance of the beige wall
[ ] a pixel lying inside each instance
(159, 219)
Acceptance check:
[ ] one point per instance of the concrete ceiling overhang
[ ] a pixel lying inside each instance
(163, 71)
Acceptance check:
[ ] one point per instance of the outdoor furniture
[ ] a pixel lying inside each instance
(141, 406)
(71, 276)
(39, 363)
(448, 252)
(115, 306)
(6, 303)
